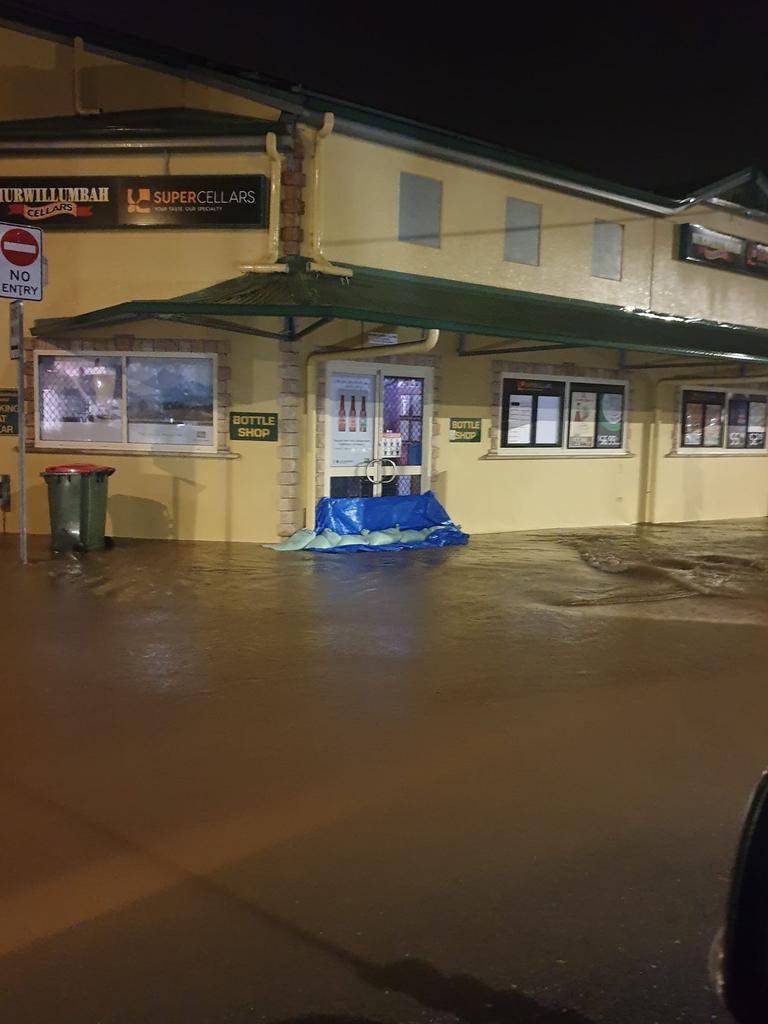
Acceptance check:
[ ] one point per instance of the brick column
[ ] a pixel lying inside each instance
(289, 478)
(292, 200)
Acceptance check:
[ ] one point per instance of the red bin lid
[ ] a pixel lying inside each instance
(79, 469)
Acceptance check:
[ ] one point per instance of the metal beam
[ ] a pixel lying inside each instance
(219, 325)
(508, 350)
(676, 366)
(311, 327)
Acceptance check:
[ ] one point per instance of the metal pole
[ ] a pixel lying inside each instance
(22, 436)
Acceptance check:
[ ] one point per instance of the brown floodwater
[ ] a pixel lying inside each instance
(499, 783)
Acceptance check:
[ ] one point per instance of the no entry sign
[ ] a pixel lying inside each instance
(21, 263)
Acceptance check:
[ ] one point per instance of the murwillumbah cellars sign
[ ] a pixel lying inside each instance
(179, 201)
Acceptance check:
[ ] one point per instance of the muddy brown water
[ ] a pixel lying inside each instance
(498, 783)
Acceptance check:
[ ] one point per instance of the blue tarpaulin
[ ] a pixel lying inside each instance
(410, 513)
(373, 524)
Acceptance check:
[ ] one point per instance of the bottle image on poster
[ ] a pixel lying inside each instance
(350, 395)
(581, 433)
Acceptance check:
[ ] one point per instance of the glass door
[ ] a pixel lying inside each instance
(377, 430)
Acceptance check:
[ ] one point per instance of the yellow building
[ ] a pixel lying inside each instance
(256, 298)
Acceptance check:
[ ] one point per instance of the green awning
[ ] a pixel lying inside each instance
(384, 297)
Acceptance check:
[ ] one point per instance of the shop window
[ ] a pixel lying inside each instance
(607, 250)
(523, 228)
(568, 414)
(723, 420)
(421, 201)
(151, 402)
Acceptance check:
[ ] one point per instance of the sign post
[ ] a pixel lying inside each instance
(21, 278)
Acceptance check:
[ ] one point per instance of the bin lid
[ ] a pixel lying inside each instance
(79, 469)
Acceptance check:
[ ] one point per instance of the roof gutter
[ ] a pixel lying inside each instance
(178, 144)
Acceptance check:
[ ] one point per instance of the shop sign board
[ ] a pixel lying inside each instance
(253, 426)
(698, 244)
(92, 202)
(467, 430)
(9, 413)
(350, 408)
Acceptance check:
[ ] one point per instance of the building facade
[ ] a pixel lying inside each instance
(256, 298)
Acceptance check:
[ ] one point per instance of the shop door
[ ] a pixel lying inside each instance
(377, 430)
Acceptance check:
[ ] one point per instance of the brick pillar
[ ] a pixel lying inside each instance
(292, 200)
(289, 478)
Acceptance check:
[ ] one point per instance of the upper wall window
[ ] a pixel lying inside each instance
(126, 401)
(522, 232)
(721, 419)
(607, 249)
(421, 201)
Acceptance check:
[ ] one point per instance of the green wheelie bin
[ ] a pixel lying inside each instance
(77, 501)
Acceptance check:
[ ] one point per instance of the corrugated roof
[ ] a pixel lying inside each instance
(403, 300)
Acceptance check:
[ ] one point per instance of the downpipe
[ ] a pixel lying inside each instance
(318, 261)
(425, 344)
(269, 264)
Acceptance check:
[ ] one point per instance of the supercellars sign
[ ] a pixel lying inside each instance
(173, 201)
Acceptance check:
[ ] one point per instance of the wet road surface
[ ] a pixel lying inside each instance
(493, 784)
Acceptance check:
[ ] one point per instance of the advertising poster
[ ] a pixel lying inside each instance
(548, 419)
(520, 419)
(351, 409)
(583, 417)
(737, 423)
(610, 420)
(693, 427)
(713, 426)
(9, 412)
(756, 425)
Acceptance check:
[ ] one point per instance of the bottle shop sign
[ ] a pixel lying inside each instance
(9, 413)
(350, 408)
(466, 430)
(253, 426)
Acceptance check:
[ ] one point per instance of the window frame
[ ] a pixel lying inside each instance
(508, 231)
(726, 397)
(124, 446)
(570, 384)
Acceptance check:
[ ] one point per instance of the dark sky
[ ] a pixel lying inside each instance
(658, 96)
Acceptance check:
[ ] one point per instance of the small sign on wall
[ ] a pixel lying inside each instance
(468, 430)
(253, 426)
(9, 413)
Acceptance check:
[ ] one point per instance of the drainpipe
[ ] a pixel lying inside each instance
(318, 261)
(78, 48)
(269, 264)
(649, 503)
(425, 344)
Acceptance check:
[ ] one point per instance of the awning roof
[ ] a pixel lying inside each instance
(383, 297)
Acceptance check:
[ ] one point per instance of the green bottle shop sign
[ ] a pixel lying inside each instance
(253, 426)
(465, 429)
(9, 413)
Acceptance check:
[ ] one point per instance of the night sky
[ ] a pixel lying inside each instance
(661, 97)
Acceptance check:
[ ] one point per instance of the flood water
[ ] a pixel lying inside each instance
(499, 783)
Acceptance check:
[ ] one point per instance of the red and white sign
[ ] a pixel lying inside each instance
(21, 263)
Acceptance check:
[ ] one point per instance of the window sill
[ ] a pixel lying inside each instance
(717, 453)
(114, 453)
(555, 454)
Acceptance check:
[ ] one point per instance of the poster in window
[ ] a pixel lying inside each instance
(548, 417)
(737, 423)
(351, 409)
(693, 424)
(581, 433)
(520, 419)
(713, 425)
(610, 420)
(756, 424)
